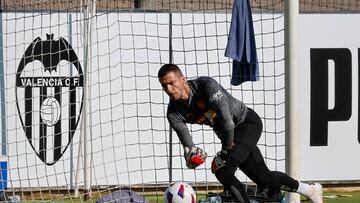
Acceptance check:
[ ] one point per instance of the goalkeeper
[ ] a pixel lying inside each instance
(205, 102)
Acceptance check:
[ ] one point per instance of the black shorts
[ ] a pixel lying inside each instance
(246, 136)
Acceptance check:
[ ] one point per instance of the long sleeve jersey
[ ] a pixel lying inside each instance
(208, 104)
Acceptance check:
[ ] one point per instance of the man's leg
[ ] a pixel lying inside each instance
(262, 176)
(258, 172)
(226, 176)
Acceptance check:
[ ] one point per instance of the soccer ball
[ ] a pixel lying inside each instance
(179, 192)
(50, 111)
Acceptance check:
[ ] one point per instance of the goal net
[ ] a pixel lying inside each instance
(82, 108)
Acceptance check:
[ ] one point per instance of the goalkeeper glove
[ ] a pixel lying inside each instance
(194, 157)
(219, 160)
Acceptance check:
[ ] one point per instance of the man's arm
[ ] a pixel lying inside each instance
(181, 130)
(218, 101)
(228, 126)
(227, 132)
(194, 156)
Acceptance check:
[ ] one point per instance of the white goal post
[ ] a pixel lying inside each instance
(292, 121)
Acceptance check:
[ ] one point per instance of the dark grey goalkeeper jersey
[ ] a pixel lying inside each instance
(209, 104)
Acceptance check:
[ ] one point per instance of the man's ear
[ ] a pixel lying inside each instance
(183, 78)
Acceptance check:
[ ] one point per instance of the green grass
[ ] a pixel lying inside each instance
(342, 197)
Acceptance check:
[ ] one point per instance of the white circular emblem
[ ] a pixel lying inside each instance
(50, 111)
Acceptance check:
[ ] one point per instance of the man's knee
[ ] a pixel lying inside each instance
(265, 179)
(225, 177)
(264, 183)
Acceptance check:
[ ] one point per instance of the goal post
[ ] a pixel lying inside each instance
(292, 121)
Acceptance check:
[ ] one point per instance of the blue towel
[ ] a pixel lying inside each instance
(241, 45)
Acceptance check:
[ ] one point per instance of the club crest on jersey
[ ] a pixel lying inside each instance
(49, 96)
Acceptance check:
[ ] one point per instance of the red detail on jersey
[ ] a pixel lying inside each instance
(192, 198)
(200, 104)
(200, 120)
(214, 166)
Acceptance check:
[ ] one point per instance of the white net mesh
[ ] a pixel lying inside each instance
(129, 143)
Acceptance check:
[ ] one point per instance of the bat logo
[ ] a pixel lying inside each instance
(49, 96)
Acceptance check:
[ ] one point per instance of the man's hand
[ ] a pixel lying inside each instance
(194, 157)
(219, 161)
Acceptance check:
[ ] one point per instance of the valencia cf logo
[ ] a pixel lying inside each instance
(49, 96)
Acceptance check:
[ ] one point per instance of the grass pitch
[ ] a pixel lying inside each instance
(329, 197)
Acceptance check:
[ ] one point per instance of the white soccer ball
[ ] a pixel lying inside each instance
(179, 192)
(50, 111)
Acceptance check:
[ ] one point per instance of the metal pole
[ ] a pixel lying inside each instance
(89, 15)
(292, 94)
(71, 142)
(171, 131)
(2, 93)
(3, 157)
(82, 140)
(83, 132)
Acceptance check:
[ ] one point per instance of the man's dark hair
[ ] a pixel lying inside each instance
(167, 68)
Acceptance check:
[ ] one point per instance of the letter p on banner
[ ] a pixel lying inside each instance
(320, 114)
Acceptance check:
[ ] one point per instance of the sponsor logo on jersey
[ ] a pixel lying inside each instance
(216, 96)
